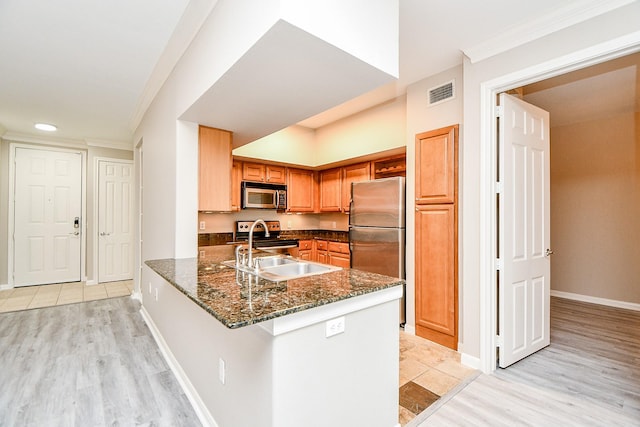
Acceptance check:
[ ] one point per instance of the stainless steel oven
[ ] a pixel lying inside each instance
(256, 195)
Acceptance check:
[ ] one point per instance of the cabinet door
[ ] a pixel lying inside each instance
(301, 190)
(339, 260)
(353, 173)
(253, 172)
(330, 190)
(214, 169)
(236, 179)
(436, 166)
(436, 279)
(305, 245)
(306, 255)
(275, 174)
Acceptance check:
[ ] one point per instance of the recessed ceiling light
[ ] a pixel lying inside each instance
(47, 127)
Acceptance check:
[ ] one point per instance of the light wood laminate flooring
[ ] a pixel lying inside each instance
(88, 364)
(588, 376)
(27, 297)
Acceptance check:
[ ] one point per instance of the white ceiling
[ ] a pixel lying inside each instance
(85, 65)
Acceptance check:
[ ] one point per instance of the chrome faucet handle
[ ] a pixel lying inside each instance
(241, 256)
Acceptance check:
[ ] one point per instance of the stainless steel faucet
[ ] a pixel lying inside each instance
(266, 234)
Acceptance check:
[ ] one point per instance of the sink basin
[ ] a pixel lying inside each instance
(272, 261)
(296, 269)
(278, 268)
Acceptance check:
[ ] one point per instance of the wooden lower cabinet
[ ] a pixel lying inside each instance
(436, 274)
(339, 254)
(305, 249)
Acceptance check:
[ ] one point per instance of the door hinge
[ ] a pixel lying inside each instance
(498, 264)
(499, 341)
(499, 111)
(499, 187)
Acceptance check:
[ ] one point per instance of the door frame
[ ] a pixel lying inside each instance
(96, 217)
(11, 217)
(488, 163)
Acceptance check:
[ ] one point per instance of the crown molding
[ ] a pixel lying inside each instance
(559, 19)
(188, 27)
(117, 145)
(35, 139)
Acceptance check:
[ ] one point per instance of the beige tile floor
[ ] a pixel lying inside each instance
(28, 297)
(430, 366)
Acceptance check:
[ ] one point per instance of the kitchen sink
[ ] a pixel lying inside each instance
(293, 270)
(272, 261)
(278, 268)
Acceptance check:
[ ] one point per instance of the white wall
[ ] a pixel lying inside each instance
(231, 29)
(294, 145)
(554, 54)
(422, 118)
(595, 208)
(371, 131)
(4, 210)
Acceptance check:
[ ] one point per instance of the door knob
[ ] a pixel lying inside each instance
(105, 234)
(548, 252)
(75, 233)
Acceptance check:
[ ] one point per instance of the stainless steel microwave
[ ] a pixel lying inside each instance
(257, 195)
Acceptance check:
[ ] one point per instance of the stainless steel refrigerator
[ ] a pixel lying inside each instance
(377, 228)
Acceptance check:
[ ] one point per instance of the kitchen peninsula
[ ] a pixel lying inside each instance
(315, 351)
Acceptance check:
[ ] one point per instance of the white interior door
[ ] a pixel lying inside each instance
(115, 221)
(47, 217)
(524, 230)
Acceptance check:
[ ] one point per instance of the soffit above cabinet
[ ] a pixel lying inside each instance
(286, 76)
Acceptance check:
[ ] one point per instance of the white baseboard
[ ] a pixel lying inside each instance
(91, 282)
(410, 329)
(596, 300)
(470, 361)
(5, 286)
(189, 390)
(136, 296)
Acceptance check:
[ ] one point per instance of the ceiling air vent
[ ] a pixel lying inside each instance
(442, 93)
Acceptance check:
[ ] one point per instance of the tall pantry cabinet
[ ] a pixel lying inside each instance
(436, 219)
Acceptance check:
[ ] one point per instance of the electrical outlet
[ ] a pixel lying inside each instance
(289, 225)
(201, 254)
(334, 327)
(221, 370)
(203, 225)
(333, 224)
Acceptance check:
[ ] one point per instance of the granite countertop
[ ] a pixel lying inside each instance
(240, 299)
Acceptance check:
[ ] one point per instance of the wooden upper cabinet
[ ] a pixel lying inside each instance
(275, 174)
(436, 166)
(331, 190)
(301, 190)
(236, 179)
(214, 169)
(259, 172)
(353, 173)
(253, 172)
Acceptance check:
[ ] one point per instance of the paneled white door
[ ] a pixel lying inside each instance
(47, 217)
(524, 230)
(115, 221)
